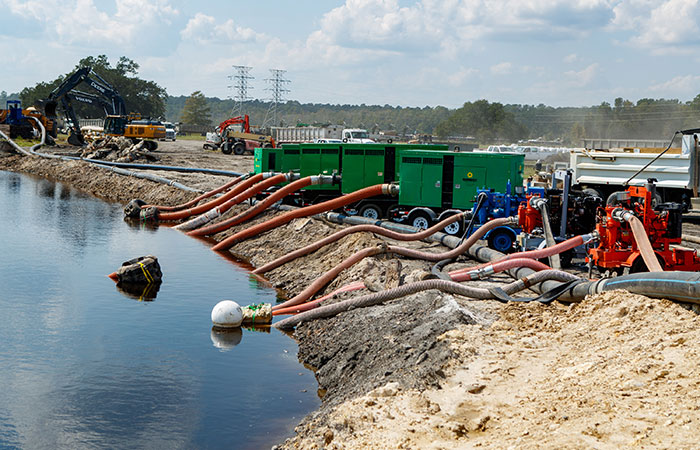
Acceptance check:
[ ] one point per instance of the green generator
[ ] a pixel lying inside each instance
(443, 180)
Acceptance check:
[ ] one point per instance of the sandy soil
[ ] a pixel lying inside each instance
(439, 371)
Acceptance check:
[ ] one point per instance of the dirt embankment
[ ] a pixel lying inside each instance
(439, 371)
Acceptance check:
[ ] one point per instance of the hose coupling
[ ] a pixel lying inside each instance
(478, 274)
(266, 175)
(390, 189)
(593, 236)
(513, 220)
(292, 176)
(621, 215)
(538, 202)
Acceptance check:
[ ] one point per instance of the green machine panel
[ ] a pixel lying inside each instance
(319, 159)
(474, 171)
(363, 166)
(267, 160)
(290, 158)
(421, 178)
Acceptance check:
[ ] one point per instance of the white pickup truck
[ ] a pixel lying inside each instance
(677, 171)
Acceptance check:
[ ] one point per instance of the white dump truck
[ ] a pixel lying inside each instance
(298, 135)
(676, 170)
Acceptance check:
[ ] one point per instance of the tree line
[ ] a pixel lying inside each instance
(488, 122)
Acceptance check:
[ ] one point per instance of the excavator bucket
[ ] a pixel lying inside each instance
(76, 139)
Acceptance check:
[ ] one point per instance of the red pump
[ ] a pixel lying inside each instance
(618, 248)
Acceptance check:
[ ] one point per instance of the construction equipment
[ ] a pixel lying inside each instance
(237, 141)
(621, 248)
(117, 122)
(19, 124)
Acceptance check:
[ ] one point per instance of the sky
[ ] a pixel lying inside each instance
(376, 52)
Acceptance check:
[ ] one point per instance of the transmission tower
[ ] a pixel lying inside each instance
(240, 84)
(277, 83)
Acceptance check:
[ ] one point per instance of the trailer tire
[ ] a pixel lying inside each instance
(420, 219)
(239, 148)
(455, 228)
(371, 211)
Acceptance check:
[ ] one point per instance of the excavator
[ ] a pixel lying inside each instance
(234, 141)
(117, 121)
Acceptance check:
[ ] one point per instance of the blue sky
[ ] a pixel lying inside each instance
(397, 52)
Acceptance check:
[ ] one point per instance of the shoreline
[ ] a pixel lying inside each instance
(433, 370)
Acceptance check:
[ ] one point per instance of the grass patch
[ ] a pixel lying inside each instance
(191, 137)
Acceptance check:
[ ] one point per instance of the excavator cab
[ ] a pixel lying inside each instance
(115, 125)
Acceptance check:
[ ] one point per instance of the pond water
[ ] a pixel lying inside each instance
(83, 365)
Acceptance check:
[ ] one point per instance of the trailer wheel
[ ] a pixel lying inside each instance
(420, 220)
(239, 148)
(455, 228)
(371, 211)
(501, 241)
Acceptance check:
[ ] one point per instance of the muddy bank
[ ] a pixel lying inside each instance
(441, 371)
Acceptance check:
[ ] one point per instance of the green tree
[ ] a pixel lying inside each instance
(484, 121)
(144, 97)
(196, 110)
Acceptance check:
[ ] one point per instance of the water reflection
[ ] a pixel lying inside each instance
(141, 292)
(80, 367)
(225, 339)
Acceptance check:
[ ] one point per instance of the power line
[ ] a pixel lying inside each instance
(240, 84)
(277, 83)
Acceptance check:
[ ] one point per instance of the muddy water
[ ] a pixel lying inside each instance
(84, 365)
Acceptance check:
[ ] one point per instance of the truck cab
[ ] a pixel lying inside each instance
(356, 135)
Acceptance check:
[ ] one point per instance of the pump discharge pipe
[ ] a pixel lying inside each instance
(640, 235)
(358, 256)
(411, 288)
(218, 211)
(356, 229)
(263, 205)
(541, 204)
(206, 195)
(371, 191)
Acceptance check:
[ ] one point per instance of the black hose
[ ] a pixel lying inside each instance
(437, 268)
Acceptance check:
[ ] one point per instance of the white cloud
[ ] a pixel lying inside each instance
(503, 68)
(204, 29)
(679, 85)
(83, 22)
(667, 26)
(583, 77)
(572, 58)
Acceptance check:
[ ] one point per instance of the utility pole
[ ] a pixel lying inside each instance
(277, 83)
(240, 84)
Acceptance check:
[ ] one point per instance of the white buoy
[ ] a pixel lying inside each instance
(227, 314)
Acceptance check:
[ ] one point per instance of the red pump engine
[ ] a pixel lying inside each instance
(529, 217)
(617, 248)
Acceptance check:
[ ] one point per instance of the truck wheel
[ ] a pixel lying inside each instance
(501, 241)
(226, 148)
(371, 211)
(239, 148)
(268, 145)
(420, 220)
